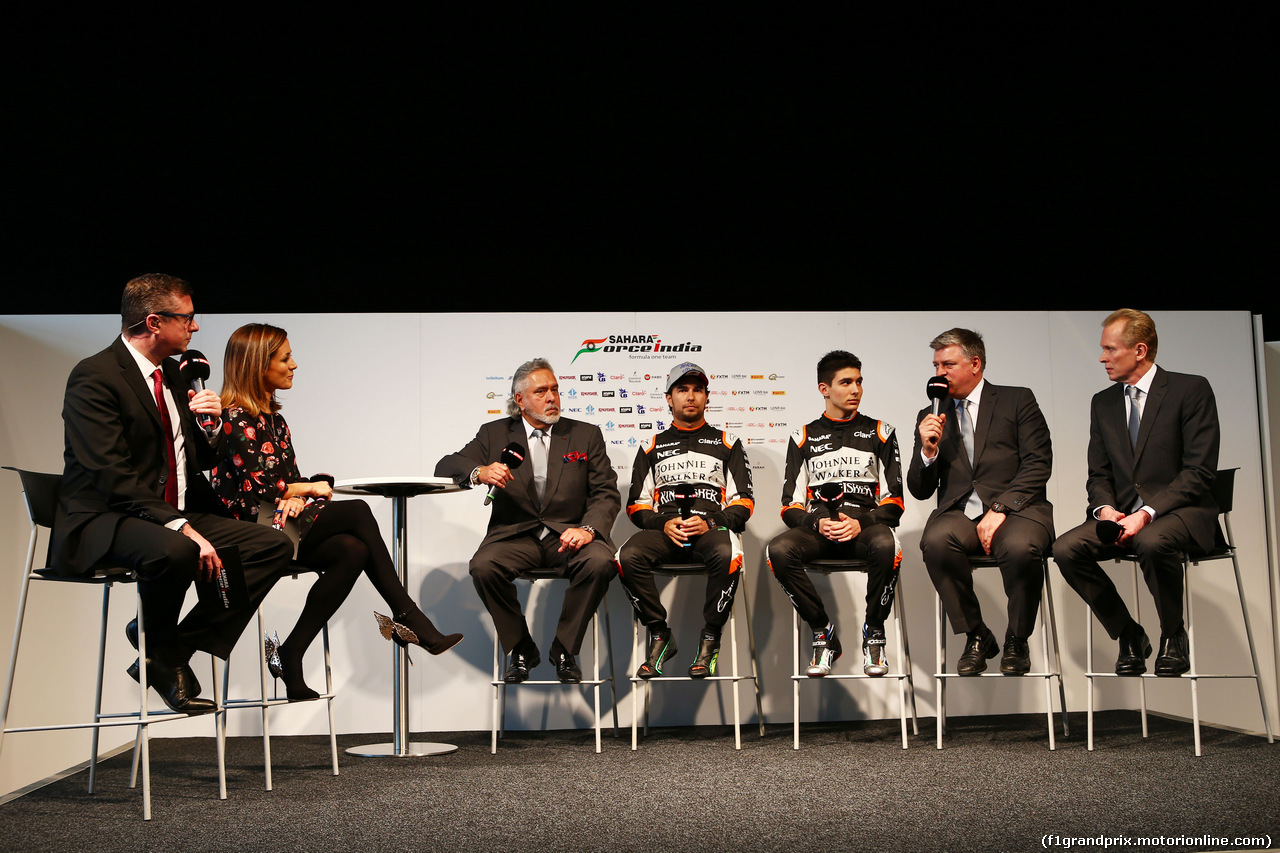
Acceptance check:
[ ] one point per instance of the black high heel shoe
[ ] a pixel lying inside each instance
(289, 671)
(400, 633)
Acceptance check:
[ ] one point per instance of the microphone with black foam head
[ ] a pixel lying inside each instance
(830, 495)
(512, 455)
(936, 390)
(194, 368)
(1108, 531)
(684, 494)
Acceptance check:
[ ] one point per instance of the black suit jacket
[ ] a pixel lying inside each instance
(1013, 457)
(116, 460)
(1176, 459)
(582, 487)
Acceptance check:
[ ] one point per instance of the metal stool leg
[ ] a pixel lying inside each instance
(1137, 617)
(219, 728)
(595, 672)
(1048, 679)
(1088, 670)
(328, 689)
(1193, 674)
(942, 668)
(497, 694)
(266, 718)
(1052, 637)
(635, 686)
(97, 690)
(613, 676)
(737, 713)
(901, 615)
(751, 649)
(902, 689)
(1253, 651)
(795, 681)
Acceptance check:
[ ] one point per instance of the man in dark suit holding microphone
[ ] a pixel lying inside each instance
(555, 498)
(133, 493)
(987, 455)
(1153, 455)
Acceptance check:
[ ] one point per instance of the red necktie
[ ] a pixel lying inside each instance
(171, 483)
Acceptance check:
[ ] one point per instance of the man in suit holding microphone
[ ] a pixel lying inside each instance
(1153, 455)
(133, 493)
(987, 455)
(554, 510)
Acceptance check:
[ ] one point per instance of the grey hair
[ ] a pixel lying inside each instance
(520, 381)
(969, 341)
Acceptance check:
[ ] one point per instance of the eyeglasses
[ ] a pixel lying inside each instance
(189, 319)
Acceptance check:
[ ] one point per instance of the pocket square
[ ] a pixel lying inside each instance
(575, 456)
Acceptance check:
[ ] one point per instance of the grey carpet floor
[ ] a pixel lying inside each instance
(995, 786)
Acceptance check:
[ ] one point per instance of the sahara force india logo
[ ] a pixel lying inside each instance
(633, 343)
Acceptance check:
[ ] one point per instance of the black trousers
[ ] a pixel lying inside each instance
(650, 548)
(1019, 546)
(1159, 547)
(168, 562)
(495, 567)
(876, 544)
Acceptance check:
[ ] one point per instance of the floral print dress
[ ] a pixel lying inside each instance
(259, 465)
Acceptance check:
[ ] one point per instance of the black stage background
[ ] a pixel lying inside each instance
(760, 164)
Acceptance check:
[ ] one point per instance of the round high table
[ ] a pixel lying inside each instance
(399, 489)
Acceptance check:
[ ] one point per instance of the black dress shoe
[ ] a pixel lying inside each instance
(1017, 657)
(977, 652)
(1173, 659)
(177, 686)
(522, 660)
(567, 669)
(131, 633)
(1134, 651)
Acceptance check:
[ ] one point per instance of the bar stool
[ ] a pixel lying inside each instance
(828, 568)
(41, 494)
(675, 570)
(499, 659)
(266, 703)
(1049, 634)
(1224, 494)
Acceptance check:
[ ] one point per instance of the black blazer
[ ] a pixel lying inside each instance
(116, 459)
(1175, 462)
(1013, 457)
(582, 487)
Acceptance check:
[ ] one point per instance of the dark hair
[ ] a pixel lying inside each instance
(834, 362)
(150, 294)
(969, 341)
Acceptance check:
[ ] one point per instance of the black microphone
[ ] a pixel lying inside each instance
(512, 455)
(684, 494)
(831, 494)
(936, 390)
(194, 368)
(1108, 531)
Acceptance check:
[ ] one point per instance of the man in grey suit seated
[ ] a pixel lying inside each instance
(1153, 455)
(554, 510)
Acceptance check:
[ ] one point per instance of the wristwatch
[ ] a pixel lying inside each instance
(999, 507)
(589, 529)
